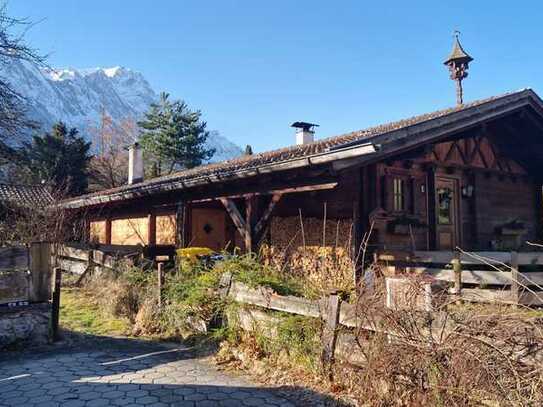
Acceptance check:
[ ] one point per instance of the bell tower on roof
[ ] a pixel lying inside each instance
(458, 63)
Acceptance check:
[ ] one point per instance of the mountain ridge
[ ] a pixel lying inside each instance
(79, 97)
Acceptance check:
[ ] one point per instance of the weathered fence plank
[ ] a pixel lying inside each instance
(14, 258)
(265, 297)
(40, 271)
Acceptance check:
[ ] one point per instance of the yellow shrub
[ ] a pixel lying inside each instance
(192, 253)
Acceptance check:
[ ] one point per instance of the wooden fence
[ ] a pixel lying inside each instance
(79, 259)
(25, 275)
(494, 277)
(341, 320)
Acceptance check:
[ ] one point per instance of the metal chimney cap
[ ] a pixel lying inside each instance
(304, 125)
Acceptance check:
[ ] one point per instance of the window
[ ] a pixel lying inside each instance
(398, 194)
(444, 209)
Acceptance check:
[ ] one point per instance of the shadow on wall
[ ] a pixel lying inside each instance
(108, 371)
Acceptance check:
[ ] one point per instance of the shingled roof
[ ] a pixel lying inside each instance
(25, 195)
(254, 164)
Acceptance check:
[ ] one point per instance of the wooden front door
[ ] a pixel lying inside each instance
(208, 228)
(447, 213)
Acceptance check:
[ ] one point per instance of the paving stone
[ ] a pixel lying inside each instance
(195, 397)
(90, 395)
(73, 403)
(15, 401)
(137, 393)
(81, 379)
(114, 394)
(123, 401)
(98, 403)
(146, 400)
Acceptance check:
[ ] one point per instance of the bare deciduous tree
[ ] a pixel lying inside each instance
(109, 166)
(13, 47)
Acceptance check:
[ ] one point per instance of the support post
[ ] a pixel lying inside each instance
(432, 218)
(457, 268)
(515, 275)
(180, 219)
(57, 277)
(538, 192)
(358, 228)
(108, 230)
(249, 216)
(151, 229)
(160, 283)
(329, 336)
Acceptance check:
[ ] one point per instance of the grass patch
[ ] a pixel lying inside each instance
(79, 312)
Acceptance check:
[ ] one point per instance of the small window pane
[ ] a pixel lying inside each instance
(398, 194)
(444, 209)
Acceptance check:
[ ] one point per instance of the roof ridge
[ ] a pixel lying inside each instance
(316, 147)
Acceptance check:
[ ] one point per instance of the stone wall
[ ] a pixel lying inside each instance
(24, 326)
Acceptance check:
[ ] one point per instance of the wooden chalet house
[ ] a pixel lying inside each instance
(469, 176)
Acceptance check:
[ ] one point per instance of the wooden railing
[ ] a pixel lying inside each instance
(337, 343)
(78, 259)
(504, 277)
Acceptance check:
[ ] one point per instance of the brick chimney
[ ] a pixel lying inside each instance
(135, 164)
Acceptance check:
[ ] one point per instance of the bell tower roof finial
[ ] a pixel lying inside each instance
(457, 53)
(458, 63)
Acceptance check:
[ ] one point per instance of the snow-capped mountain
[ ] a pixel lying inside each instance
(80, 96)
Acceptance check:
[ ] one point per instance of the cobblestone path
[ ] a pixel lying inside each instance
(125, 373)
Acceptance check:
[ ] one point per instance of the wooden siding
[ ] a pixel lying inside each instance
(98, 231)
(131, 231)
(165, 229)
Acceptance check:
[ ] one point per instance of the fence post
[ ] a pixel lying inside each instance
(90, 267)
(40, 262)
(457, 268)
(57, 276)
(515, 275)
(329, 336)
(160, 283)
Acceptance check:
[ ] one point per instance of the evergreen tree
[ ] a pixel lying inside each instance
(59, 158)
(248, 150)
(174, 136)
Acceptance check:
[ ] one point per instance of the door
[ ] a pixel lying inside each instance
(447, 213)
(208, 228)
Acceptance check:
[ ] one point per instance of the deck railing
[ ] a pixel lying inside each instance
(501, 277)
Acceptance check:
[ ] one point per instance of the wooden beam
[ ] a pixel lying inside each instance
(305, 188)
(234, 213)
(263, 222)
(180, 224)
(151, 229)
(358, 224)
(108, 230)
(250, 215)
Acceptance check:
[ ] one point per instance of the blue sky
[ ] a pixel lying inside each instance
(254, 67)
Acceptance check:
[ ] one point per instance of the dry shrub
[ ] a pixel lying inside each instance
(486, 355)
(122, 292)
(147, 319)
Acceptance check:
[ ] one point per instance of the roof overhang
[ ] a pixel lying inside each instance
(431, 131)
(180, 185)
